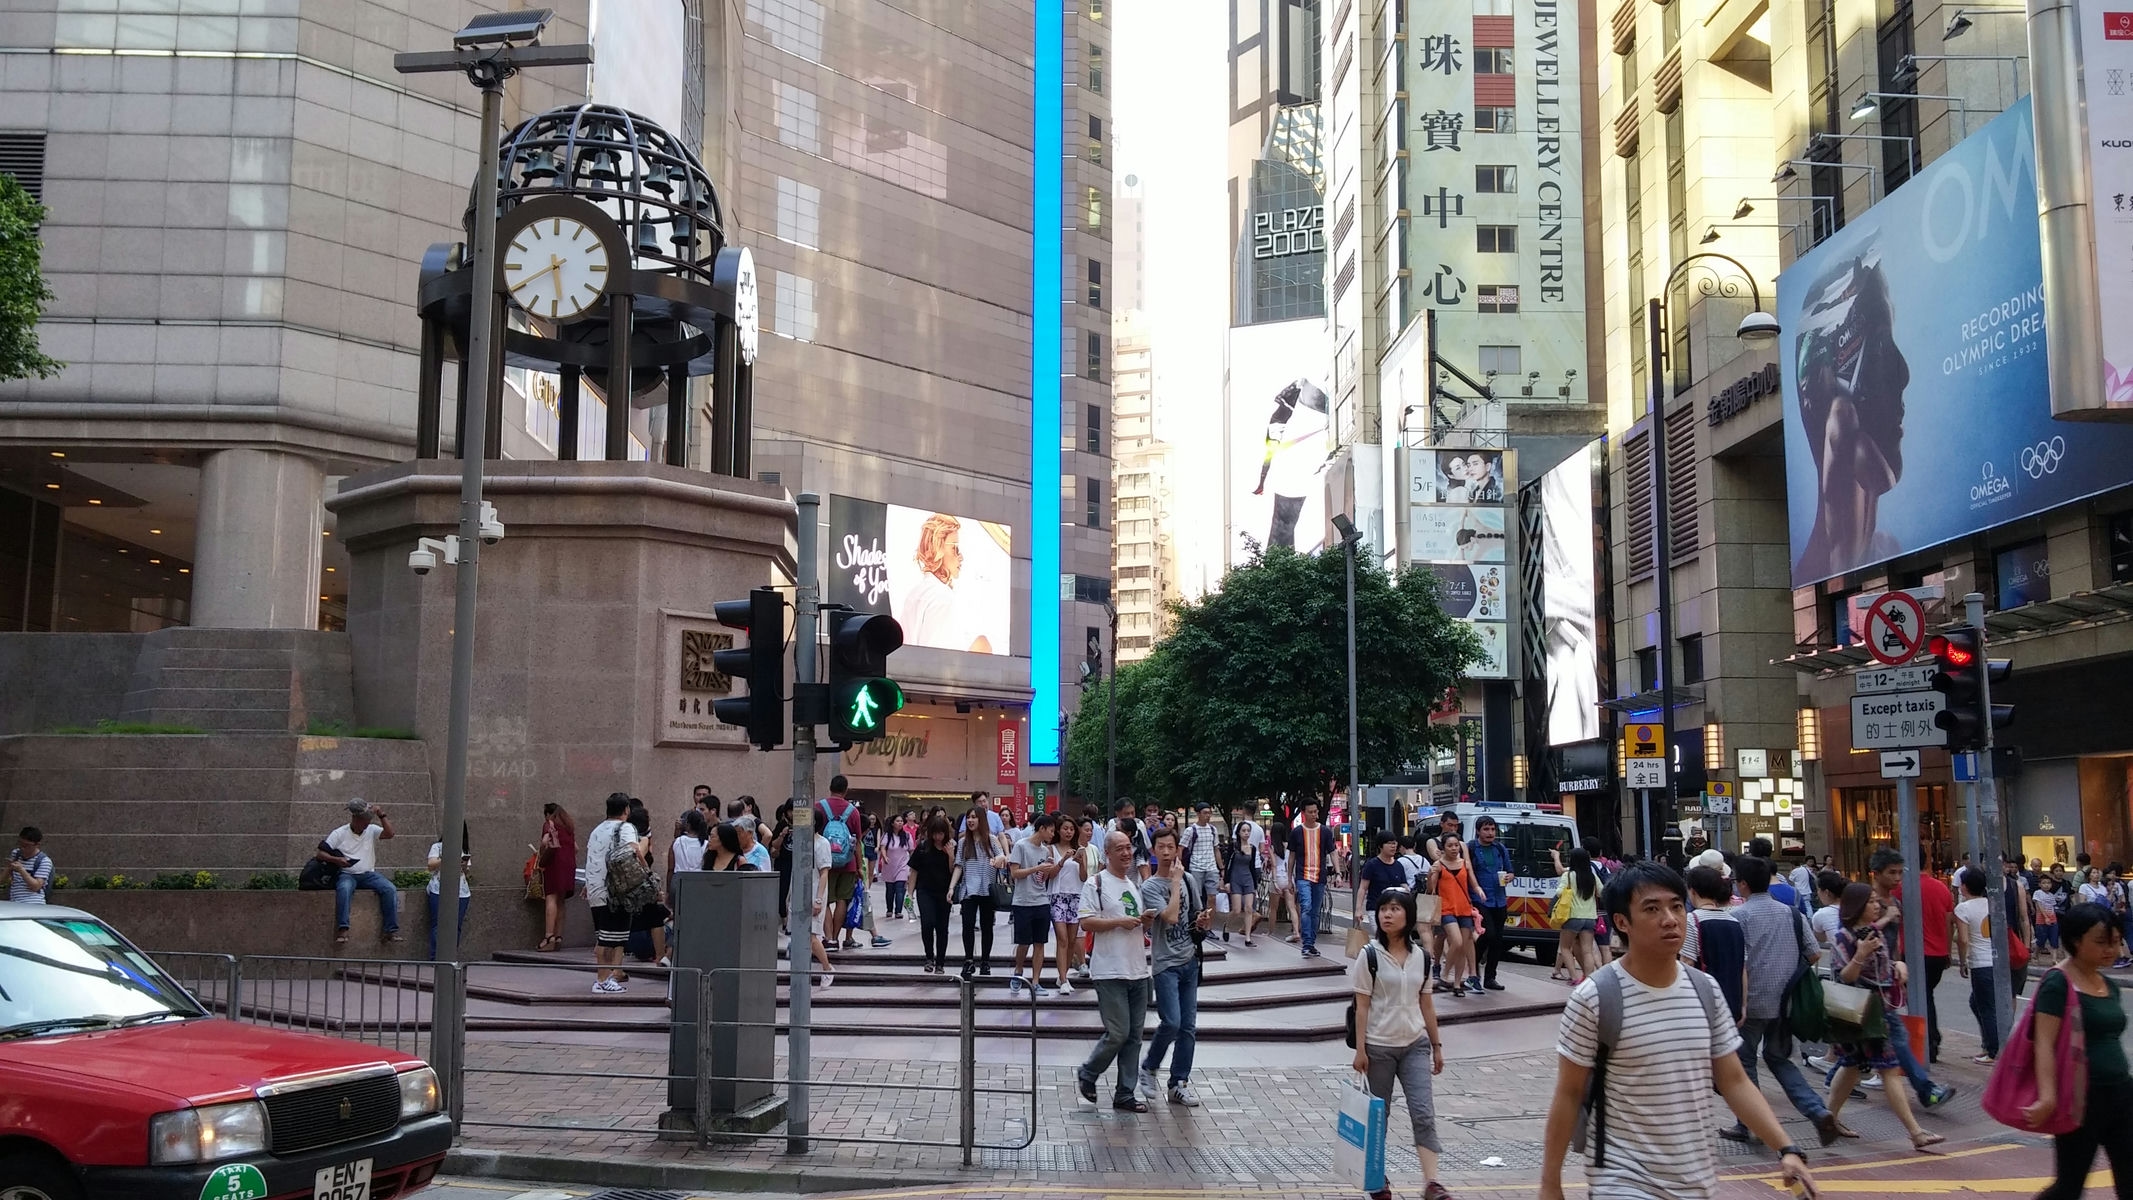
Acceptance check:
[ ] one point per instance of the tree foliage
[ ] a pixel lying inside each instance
(22, 287)
(1248, 697)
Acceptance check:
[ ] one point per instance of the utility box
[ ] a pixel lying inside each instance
(726, 926)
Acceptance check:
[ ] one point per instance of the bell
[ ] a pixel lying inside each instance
(661, 179)
(605, 167)
(540, 168)
(684, 232)
(648, 236)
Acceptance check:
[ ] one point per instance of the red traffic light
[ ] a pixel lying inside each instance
(1949, 651)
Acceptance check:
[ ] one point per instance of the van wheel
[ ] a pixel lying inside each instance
(29, 1175)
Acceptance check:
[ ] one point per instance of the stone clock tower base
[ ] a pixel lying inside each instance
(592, 652)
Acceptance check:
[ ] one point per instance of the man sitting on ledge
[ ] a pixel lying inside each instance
(354, 849)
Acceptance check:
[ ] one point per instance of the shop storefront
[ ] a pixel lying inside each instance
(934, 754)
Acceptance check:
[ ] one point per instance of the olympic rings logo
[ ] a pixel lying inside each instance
(2043, 458)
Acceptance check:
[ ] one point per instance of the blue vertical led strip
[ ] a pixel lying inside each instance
(1047, 217)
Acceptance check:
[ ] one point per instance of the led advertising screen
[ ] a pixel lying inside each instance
(1280, 437)
(946, 579)
(1916, 403)
(1569, 600)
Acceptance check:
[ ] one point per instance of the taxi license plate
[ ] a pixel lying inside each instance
(349, 1181)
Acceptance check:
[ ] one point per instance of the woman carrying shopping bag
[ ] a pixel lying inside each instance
(2091, 938)
(1396, 1026)
(1861, 1043)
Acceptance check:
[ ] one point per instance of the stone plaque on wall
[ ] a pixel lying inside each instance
(689, 683)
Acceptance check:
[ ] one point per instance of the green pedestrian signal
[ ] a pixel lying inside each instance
(862, 696)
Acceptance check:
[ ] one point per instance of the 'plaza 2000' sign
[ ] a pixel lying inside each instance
(1290, 231)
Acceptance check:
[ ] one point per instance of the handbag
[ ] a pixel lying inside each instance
(1560, 911)
(536, 883)
(1848, 1004)
(1805, 1008)
(1359, 1137)
(1358, 937)
(2013, 1085)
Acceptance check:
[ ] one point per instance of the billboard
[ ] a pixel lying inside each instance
(1457, 530)
(1569, 599)
(946, 579)
(1916, 404)
(1280, 436)
(2106, 59)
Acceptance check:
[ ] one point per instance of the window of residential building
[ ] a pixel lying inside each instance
(1497, 298)
(1496, 180)
(1499, 360)
(1091, 589)
(1825, 103)
(1495, 120)
(1096, 10)
(1093, 366)
(1633, 196)
(1669, 27)
(1095, 442)
(1677, 186)
(1096, 504)
(1096, 284)
(1893, 44)
(1096, 68)
(1492, 60)
(1094, 209)
(1692, 645)
(1096, 140)
(1647, 669)
(1496, 239)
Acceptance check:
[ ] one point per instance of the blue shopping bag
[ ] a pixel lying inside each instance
(1359, 1142)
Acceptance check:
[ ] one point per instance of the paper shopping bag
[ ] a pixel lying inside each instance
(1222, 902)
(1359, 1144)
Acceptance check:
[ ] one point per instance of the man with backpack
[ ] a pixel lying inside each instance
(1779, 944)
(839, 821)
(611, 887)
(1643, 1042)
(1493, 871)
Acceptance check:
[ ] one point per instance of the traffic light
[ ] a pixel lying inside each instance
(861, 695)
(1962, 673)
(760, 664)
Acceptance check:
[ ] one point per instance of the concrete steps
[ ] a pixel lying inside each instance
(241, 680)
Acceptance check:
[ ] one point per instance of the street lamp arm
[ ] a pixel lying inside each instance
(1755, 291)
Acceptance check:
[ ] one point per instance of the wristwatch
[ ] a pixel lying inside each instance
(1792, 1150)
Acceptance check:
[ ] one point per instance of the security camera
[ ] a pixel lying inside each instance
(428, 552)
(492, 529)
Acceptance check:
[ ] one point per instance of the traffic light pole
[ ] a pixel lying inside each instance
(807, 598)
(1985, 833)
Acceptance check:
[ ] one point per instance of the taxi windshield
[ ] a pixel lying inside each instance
(69, 974)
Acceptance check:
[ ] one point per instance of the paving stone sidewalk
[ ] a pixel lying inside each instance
(1256, 1126)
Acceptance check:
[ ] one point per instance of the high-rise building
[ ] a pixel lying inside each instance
(238, 214)
(1143, 544)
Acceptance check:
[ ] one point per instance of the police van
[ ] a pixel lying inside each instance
(1529, 833)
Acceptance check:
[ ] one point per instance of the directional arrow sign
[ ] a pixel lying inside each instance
(1900, 764)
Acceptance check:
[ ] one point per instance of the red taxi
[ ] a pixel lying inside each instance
(115, 1082)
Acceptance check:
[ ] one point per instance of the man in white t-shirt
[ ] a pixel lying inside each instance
(1197, 846)
(1674, 1046)
(1973, 957)
(354, 849)
(1118, 967)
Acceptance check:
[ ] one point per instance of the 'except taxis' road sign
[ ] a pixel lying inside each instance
(1897, 720)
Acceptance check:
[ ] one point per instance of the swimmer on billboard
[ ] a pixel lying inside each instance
(1852, 378)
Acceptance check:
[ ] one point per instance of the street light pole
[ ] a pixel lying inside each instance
(1756, 327)
(1111, 718)
(486, 52)
(1349, 536)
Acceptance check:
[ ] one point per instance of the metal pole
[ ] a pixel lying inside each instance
(801, 924)
(1111, 719)
(1662, 551)
(475, 415)
(966, 1066)
(1914, 925)
(1985, 827)
(1354, 775)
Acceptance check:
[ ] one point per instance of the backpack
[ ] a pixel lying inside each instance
(629, 881)
(838, 831)
(1370, 951)
(1607, 981)
(318, 874)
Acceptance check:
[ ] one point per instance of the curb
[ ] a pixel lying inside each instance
(476, 1163)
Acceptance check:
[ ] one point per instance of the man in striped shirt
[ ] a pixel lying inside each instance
(29, 868)
(1672, 1048)
(1311, 864)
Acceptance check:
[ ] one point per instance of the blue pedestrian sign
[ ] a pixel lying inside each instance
(1965, 765)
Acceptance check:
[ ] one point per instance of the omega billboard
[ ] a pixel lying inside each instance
(1917, 408)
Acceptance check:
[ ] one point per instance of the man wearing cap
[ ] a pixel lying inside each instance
(354, 849)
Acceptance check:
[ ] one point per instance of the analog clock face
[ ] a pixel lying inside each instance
(556, 268)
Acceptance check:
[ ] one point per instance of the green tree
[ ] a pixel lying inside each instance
(22, 287)
(1247, 699)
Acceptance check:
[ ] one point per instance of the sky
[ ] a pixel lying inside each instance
(1170, 110)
